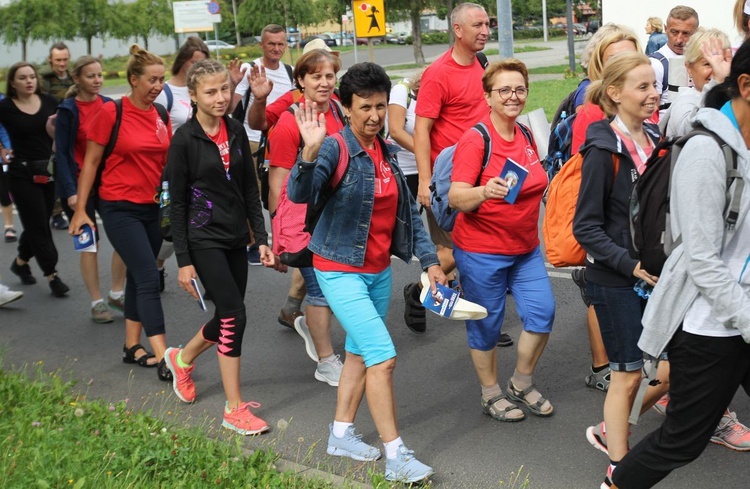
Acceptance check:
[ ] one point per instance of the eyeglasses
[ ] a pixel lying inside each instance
(507, 92)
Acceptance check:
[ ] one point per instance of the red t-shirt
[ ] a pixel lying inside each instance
(86, 113)
(284, 139)
(451, 95)
(133, 170)
(221, 139)
(497, 227)
(589, 113)
(380, 234)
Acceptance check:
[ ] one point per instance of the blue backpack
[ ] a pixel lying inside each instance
(440, 183)
(558, 148)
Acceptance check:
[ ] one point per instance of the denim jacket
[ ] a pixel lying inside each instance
(341, 232)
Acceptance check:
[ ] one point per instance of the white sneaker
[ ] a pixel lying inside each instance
(300, 325)
(330, 371)
(7, 296)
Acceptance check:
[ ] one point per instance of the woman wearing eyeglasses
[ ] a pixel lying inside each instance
(497, 243)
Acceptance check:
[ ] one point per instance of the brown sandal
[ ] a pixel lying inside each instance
(129, 356)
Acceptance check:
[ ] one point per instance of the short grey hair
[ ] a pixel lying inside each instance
(457, 14)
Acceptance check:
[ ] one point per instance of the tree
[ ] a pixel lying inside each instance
(142, 19)
(411, 9)
(94, 19)
(26, 20)
(254, 15)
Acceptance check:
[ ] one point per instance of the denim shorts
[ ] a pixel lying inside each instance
(314, 295)
(619, 311)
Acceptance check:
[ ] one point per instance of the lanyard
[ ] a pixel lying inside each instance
(638, 148)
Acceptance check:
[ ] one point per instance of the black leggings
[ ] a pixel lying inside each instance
(34, 205)
(224, 273)
(4, 190)
(133, 230)
(705, 373)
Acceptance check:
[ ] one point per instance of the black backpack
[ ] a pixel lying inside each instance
(241, 107)
(650, 225)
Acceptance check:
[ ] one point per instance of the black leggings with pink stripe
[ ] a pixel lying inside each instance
(224, 274)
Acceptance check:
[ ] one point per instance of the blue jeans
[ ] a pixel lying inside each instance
(619, 311)
(314, 296)
(133, 230)
(360, 302)
(487, 278)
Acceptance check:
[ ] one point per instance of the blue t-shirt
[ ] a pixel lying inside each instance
(4, 138)
(580, 96)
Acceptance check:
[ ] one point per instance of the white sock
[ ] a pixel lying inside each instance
(339, 428)
(391, 447)
(94, 303)
(116, 295)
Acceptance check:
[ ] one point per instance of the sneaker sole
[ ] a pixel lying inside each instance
(103, 321)
(338, 452)
(230, 426)
(332, 383)
(393, 477)
(721, 442)
(12, 299)
(174, 380)
(594, 442)
(309, 345)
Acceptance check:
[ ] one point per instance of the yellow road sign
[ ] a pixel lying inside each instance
(369, 18)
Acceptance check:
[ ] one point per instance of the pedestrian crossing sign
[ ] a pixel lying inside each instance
(369, 18)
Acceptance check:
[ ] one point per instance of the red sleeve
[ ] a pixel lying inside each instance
(274, 111)
(283, 142)
(467, 161)
(430, 96)
(101, 126)
(589, 113)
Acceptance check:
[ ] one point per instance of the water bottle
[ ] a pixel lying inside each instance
(643, 289)
(164, 196)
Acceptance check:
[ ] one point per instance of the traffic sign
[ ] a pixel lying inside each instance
(214, 7)
(191, 16)
(369, 18)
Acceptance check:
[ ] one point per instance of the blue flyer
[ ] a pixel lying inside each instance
(514, 176)
(86, 241)
(444, 303)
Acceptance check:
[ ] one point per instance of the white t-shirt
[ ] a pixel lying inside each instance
(400, 96)
(181, 111)
(281, 85)
(659, 72)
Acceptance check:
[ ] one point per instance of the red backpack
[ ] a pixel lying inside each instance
(291, 222)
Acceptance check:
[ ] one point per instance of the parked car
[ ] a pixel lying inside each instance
(579, 29)
(215, 45)
(330, 42)
(592, 26)
(362, 41)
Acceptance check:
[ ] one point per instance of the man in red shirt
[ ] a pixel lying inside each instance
(450, 102)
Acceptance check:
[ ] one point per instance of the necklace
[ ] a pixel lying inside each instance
(641, 153)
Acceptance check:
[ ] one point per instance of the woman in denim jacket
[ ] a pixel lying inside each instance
(370, 217)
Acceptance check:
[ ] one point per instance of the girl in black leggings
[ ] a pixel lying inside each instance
(214, 195)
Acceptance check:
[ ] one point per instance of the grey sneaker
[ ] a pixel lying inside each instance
(330, 371)
(116, 304)
(599, 380)
(351, 445)
(405, 468)
(100, 313)
(300, 325)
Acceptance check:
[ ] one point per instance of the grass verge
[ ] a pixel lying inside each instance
(52, 439)
(548, 94)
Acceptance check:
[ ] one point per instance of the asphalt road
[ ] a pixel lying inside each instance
(436, 388)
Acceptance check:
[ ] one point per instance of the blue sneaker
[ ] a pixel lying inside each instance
(351, 445)
(253, 257)
(405, 468)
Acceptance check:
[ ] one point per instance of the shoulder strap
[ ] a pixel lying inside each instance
(113, 135)
(526, 133)
(482, 58)
(163, 113)
(343, 164)
(170, 96)
(665, 78)
(339, 111)
(289, 72)
(482, 129)
(246, 98)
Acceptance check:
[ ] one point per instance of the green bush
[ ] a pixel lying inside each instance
(111, 75)
(435, 38)
(536, 33)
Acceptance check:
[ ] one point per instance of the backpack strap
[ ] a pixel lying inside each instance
(113, 135)
(482, 58)
(289, 73)
(170, 97)
(482, 129)
(665, 78)
(526, 133)
(163, 113)
(343, 164)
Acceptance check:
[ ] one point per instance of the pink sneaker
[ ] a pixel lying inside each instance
(661, 405)
(182, 380)
(243, 421)
(731, 433)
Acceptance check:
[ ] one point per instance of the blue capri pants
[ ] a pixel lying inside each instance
(486, 280)
(360, 302)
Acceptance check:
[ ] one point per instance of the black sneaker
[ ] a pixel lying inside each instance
(59, 222)
(579, 278)
(162, 274)
(163, 372)
(23, 272)
(505, 340)
(58, 287)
